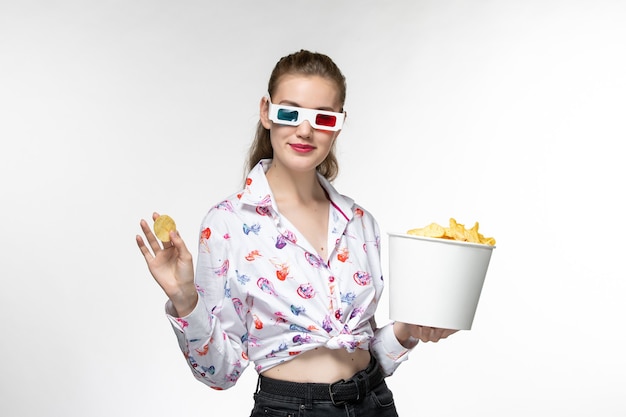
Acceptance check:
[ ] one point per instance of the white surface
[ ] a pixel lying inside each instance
(510, 113)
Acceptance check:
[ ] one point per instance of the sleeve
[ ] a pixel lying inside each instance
(213, 336)
(387, 349)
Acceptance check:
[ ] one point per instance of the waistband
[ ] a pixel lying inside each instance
(353, 390)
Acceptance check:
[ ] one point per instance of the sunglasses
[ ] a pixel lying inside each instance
(293, 116)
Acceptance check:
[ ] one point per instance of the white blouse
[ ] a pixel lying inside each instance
(265, 295)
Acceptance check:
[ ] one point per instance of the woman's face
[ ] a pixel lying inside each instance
(301, 148)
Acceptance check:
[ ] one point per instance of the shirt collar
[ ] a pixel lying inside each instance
(257, 191)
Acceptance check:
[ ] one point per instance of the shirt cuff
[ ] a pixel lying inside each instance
(195, 325)
(389, 351)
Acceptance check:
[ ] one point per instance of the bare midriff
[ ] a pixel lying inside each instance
(321, 365)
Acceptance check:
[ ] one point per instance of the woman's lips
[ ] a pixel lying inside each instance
(300, 147)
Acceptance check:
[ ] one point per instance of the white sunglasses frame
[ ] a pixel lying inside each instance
(304, 114)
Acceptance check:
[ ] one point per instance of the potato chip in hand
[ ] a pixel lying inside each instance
(163, 225)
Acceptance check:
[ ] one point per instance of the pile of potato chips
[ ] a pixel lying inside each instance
(456, 231)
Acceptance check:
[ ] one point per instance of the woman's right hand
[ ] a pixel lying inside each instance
(171, 265)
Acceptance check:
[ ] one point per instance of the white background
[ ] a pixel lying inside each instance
(510, 113)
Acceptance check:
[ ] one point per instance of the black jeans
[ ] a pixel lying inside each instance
(377, 401)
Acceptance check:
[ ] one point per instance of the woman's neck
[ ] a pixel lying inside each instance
(295, 187)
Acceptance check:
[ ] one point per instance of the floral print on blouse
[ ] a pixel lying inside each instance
(265, 295)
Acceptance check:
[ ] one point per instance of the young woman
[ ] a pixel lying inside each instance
(289, 272)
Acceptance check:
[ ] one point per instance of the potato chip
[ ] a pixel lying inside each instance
(455, 231)
(163, 225)
(432, 230)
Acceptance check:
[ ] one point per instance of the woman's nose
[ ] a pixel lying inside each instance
(305, 130)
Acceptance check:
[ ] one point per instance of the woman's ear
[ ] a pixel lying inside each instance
(264, 109)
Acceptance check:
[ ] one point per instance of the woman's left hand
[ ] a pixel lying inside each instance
(408, 334)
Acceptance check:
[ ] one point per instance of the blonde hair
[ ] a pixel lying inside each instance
(299, 63)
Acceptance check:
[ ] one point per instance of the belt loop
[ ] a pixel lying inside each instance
(362, 383)
(258, 385)
(308, 397)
